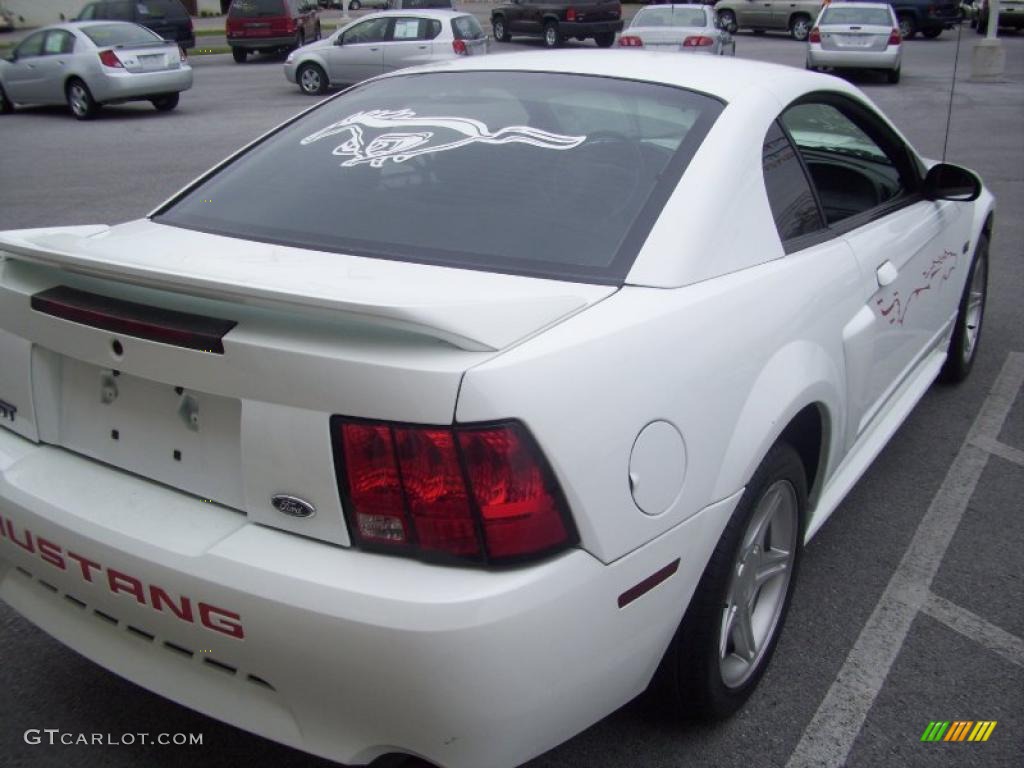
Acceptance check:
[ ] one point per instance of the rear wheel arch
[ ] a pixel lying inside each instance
(807, 433)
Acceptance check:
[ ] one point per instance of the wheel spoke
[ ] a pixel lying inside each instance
(770, 564)
(743, 635)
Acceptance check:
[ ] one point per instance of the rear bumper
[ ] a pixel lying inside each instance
(139, 85)
(887, 59)
(260, 43)
(344, 654)
(589, 28)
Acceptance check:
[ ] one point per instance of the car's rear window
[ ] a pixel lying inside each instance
(253, 8)
(551, 175)
(161, 9)
(853, 15)
(467, 28)
(670, 17)
(120, 33)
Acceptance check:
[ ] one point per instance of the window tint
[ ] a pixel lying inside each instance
(116, 10)
(552, 175)
(253, 8)
(119, 34)
(466, 28)
(31, 46)
(59, 41)
(88, 13)
(161, 9)
(789, 193)
(371, 31)
(851, 172)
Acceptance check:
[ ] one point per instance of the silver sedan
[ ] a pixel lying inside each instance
(690, 28)
(89, 64)
(383, 42)
(856, 36)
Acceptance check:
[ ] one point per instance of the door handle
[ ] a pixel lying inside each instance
(422, 47)
(886, 274)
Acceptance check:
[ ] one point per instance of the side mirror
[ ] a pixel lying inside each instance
(945, 181)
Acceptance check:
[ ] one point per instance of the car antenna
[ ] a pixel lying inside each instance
(952, 88)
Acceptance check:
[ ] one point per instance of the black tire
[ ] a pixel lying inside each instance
(165, 102)
(552, 38)
(800, 27)
(605, 39)
(354, 5)
(500, 29)
(80, 101)
(727, 21)
(908, 26)
(893, 75)
(312, 79)
(963, 344)
(691, 680)
(931, 34)
(239, 55)
(6, 105)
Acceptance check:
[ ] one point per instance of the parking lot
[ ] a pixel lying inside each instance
(910, 603)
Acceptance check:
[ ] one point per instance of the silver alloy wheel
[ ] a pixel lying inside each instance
(551, 36)
(801, 28)
(975, 308)
(310, 80)
(78, 99)
(499, 30)
(759, 583)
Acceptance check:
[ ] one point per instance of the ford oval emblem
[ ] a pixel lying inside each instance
(292, 506)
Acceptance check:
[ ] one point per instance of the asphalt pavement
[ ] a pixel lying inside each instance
(910, 604)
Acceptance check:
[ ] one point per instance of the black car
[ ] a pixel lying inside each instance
(558, 20)
(168, 18)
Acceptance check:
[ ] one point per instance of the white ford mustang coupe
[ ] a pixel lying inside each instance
(464, 407)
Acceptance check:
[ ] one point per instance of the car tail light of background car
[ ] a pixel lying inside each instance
(570, 14)
(631, 41)
(697, 41)
(109, 59)
(894, 37)
(480, 493)
(814, 36)
(459, 46)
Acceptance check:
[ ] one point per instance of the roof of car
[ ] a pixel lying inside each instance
(724, 77)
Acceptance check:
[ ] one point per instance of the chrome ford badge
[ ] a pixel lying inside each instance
(292, 506)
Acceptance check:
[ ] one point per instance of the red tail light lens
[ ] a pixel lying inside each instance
(570, 15)
(109, 59)
(631, 41)
(459, 46)
(697, 41)
(894, 37)
(471, 493)
(814, 36)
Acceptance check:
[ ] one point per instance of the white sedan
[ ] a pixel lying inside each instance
(457, 411)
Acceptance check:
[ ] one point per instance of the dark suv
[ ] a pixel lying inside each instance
(929, 17)
(270, 25)
(168, 18)
(558, 20)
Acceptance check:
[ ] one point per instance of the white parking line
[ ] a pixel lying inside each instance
(972, 626)
(1002, 450)
(829, 736)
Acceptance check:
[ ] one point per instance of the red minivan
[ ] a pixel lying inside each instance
(268, 26)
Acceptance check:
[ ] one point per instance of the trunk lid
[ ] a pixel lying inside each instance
(154, 57)
(854, 37)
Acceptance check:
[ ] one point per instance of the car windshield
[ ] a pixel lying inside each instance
(852, 15)
(120, 34)
(670, 17)
(252, 8)
(551, 175)
(161, 9)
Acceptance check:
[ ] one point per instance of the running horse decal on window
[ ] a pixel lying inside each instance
(374, 138)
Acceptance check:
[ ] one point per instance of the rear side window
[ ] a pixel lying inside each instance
(120, 34)
(789, 192)
(161, 9)
(415, 29)
(247, 9)
(467, 28)
(58, 41)
(552, 175)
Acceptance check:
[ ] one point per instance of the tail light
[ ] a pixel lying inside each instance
(814, 36)
(459, 46)
(109, 59)
(697, 41)
(631, 41)
(480, 492)
(570, 14)
(894, 37)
